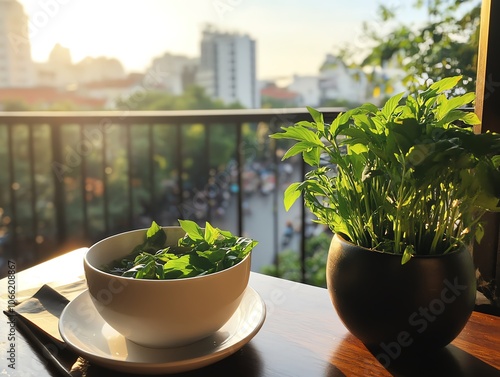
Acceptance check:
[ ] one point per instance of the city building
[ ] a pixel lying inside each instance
(172, 73)
(101, 68)
(59, 71)
(340, 84)
(46, 98)
(227, 68)
(16, 66)
(308, 89)
(112, 90)
(275, 96)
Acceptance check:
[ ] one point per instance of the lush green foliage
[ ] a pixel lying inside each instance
(289, 263)
(194, 97)
(445, 45)
(199, 252)
(412, 181)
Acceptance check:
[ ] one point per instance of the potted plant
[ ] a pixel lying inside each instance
(403, 189)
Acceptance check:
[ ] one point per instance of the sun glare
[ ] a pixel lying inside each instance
(132, 31)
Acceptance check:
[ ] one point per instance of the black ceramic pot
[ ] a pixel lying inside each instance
(421, 305)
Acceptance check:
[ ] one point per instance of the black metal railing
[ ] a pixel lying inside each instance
(68, 179)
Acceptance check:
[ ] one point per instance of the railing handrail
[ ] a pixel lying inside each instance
(174, 116)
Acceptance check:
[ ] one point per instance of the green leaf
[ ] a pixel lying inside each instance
(153, 229)
(160, 273)
(356, 136)
(438, 87)
(391, 105)
(211, 233)
(369, 107)
(452, 116)
(412, 106)
(180, 265)
(470, 119)
(305, 123)
(460, 101)
(370, 173)
(358, 148)
(299, 134)
(496, 161)
(155, 238)
(214, 256)
(316, 115)
(147, 271)
(479, 233)
(312, 156)
(445, 84)
(192, 229)
(407, 254)
(489, 182)
(164, 255)
(445, 105)
(292, 193)
(300, 147)
(406, 134)
(247, 246)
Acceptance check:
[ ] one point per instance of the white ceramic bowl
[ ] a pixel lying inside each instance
(161, 313)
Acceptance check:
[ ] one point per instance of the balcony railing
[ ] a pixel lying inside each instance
(68, 179)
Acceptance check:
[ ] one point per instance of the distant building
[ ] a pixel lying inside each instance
(60, 72)
(275, 96)
(228, 68)
(45, 98)
(16, 66)
(110, 91)
(308, 89)
(338, 82)
(99, 69)
(172, 73)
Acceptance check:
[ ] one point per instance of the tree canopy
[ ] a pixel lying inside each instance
(446, 44)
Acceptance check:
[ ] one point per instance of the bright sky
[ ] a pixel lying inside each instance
(293, 36)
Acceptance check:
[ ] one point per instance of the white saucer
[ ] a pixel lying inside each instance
(85, 332)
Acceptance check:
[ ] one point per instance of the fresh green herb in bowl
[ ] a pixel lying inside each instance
(199, 252)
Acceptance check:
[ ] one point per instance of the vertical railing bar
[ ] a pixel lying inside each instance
(105, 183)
(130, 175)
(180, 168)
(275, 204)
(59, 189)
(207, 169)
(84, 172)
(31, 157)
(239, 163)
(303, 230)
(13, 201)
(152, 199)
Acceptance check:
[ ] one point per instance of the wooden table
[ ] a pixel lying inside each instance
(302, 336)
